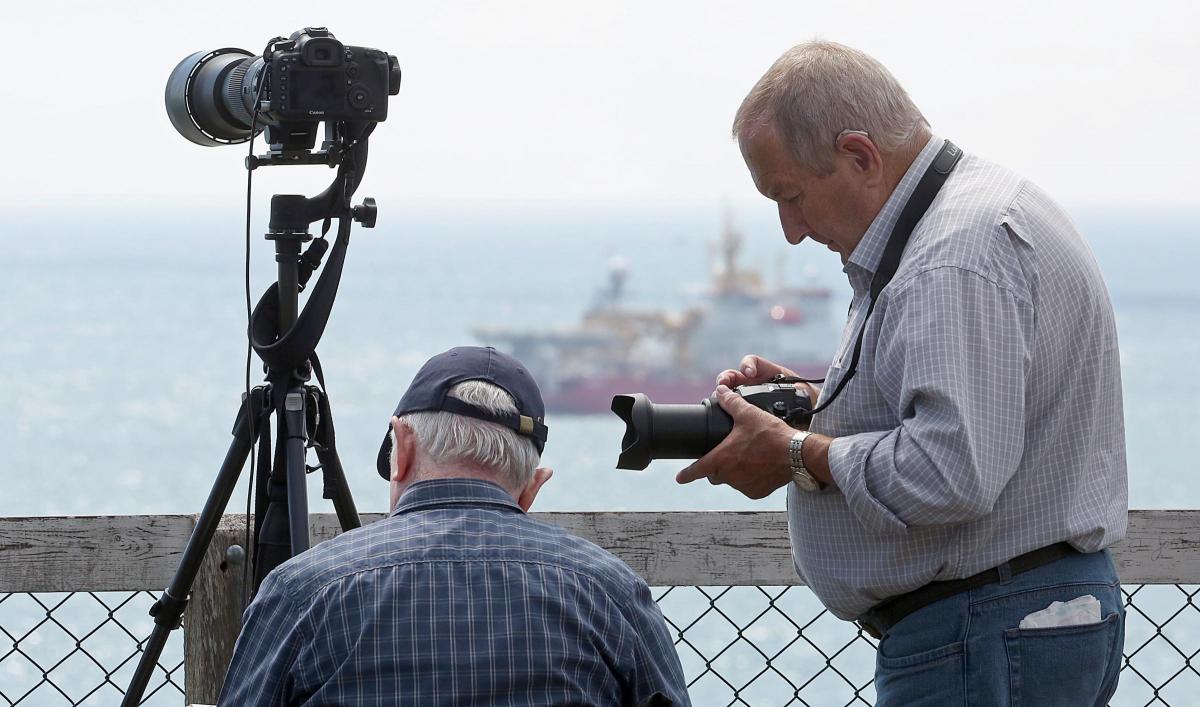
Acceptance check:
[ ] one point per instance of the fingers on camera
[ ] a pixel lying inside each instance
(729, 377)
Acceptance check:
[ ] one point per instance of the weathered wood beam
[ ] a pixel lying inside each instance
(90, 553)
(125, 553)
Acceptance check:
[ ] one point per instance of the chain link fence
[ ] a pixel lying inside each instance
(81, 648)
(738, 645)
(778, 646)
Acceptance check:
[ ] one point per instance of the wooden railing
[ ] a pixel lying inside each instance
(128, 553)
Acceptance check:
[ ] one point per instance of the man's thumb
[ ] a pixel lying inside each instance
(731, 402)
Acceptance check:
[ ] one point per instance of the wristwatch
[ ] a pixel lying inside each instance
(800, 475)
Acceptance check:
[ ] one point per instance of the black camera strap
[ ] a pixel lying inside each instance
(914, 209)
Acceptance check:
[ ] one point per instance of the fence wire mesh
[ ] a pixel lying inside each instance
(778, 646)
(80, 648)
(738, 645)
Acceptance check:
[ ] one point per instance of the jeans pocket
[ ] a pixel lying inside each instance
(924, 659)
(1061, 665)
(931, 678)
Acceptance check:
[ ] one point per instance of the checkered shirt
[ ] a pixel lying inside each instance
(458, 598)
(985, 419)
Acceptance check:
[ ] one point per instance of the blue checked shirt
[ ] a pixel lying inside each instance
(458, 598)
(985, 419)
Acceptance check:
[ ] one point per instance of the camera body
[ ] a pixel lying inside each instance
(787, 401)
(313, 76)
(655, 431)
(226, 96)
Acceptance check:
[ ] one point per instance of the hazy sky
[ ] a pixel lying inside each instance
(629, 101)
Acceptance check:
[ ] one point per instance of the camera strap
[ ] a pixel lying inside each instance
(914, 209)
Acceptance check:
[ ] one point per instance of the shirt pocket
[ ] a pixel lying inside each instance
(854, 321)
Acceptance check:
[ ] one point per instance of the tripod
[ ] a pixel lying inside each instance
(285, 340)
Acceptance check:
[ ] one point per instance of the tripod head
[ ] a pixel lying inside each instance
(281, 336)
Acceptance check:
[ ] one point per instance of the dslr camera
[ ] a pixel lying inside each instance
(225, 96)
(691, 431)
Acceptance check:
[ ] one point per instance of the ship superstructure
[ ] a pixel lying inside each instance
(673, 356)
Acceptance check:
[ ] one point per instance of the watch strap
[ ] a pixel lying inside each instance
(800, 473)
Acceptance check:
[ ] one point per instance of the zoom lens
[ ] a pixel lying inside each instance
(210, 96)
(668, 431)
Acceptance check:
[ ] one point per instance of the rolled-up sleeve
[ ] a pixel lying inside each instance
(262, 666)
(951, 356)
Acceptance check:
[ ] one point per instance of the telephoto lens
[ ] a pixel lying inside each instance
(691, 431)
(210, 96)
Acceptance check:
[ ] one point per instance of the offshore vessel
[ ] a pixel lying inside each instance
(673, 356)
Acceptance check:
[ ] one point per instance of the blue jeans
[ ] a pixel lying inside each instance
(967, 649)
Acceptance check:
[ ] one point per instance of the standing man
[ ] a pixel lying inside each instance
(458, 598)
(966, 464)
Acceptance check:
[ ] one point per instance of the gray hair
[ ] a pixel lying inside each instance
(447, 438)
(819, 89)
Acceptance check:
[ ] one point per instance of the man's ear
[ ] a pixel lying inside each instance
(404, 452)
(540, 476)
(860, 147)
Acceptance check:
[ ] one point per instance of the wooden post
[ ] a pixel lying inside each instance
(214, 616)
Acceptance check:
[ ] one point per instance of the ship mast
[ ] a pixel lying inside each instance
(729, 246)
(728, 278)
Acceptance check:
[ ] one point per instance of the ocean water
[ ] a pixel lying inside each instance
(122, 347)
(122, 355)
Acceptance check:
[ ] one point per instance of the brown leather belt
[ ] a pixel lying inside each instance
(878, 620)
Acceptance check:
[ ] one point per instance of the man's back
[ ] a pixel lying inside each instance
(458, 598)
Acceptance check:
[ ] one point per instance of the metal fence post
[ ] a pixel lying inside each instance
(214, 616)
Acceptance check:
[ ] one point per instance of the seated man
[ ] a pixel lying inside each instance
(459, 597)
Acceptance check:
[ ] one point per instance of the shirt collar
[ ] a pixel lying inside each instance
(865, 257)
(439, 493)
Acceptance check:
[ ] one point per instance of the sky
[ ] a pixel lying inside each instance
(615, 101)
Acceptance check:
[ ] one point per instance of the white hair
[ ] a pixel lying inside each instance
(819, 89)
(447, 438)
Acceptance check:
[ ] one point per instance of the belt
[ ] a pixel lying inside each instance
(878, 620)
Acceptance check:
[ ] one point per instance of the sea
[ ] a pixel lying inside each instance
(123, 351)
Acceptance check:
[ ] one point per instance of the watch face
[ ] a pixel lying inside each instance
(805, 482)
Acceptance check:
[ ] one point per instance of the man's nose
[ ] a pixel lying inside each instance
(795, 228)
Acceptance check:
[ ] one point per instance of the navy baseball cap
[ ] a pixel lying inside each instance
(429, 391)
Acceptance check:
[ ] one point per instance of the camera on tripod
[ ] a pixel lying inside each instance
(691, 431)
(226, 96)
(229, 96)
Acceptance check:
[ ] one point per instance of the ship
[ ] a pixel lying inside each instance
(673, 356)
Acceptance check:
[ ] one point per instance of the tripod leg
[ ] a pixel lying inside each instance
(168, 610)
(295, 419)
(336, 488)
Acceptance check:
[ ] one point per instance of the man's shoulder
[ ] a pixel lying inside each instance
(968, 226)
(957, 229)
(449, 535)
(587, 558)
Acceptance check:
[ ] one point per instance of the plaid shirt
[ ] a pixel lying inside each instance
(458, 598)
(985, 419)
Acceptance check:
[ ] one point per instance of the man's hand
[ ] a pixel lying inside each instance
(755, 369)
(754, 457)
(752, 371)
